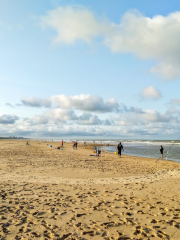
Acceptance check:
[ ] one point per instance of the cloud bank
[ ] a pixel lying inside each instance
(86, 103)
(8, 119)
(87, 115)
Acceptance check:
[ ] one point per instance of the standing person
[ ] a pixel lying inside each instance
(120, 148)
(161, 151)
(62, 142)
(76, 143)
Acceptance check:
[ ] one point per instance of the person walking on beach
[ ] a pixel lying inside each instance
(62, 143)
(120, 148)
(161, 151)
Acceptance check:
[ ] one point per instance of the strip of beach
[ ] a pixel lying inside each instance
(50, 193)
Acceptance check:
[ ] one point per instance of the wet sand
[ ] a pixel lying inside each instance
(50, 193)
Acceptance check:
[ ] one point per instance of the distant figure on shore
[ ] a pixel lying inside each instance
(120, 148)
(27, 143)
(75, 145)
(62, 142)
(85, 143)
(161, 151)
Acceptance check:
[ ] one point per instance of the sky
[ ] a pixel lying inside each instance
(90, 69)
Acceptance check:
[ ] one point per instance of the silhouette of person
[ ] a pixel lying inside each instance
(120, 148)
(161, 151)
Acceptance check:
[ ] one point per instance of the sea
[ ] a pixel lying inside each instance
(139, 148)
(149, 149)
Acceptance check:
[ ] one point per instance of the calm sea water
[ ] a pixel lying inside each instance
(150, 149)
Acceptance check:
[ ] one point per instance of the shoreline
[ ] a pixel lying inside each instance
(145, 156)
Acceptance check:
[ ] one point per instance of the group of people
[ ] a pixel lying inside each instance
(75, 143)
(120, 149)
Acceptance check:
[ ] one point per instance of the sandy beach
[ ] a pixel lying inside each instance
(50, 193)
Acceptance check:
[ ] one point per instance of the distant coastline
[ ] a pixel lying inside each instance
(13, 138)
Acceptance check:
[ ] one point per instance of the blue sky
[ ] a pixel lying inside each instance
(99, 69)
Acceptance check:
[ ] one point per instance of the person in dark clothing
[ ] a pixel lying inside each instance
(120, 148)
(161, 151)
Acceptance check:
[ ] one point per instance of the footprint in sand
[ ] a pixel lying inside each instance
(154, 221)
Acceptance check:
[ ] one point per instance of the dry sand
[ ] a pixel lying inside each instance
(47, 193)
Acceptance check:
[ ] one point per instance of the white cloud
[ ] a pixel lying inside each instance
(86, 103)
(91, 119)
(77, 102)
(56, 122)
(155, 38)
(40, 119)
(146, 118)
(154, 116)
(36, 102)
(59, 116)
(88, 119)
(124, 108)
(150, 92)
(71, 24)
(146, 37)
(150, 38)
(169, 70)
(130, 119)
(55, 116)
